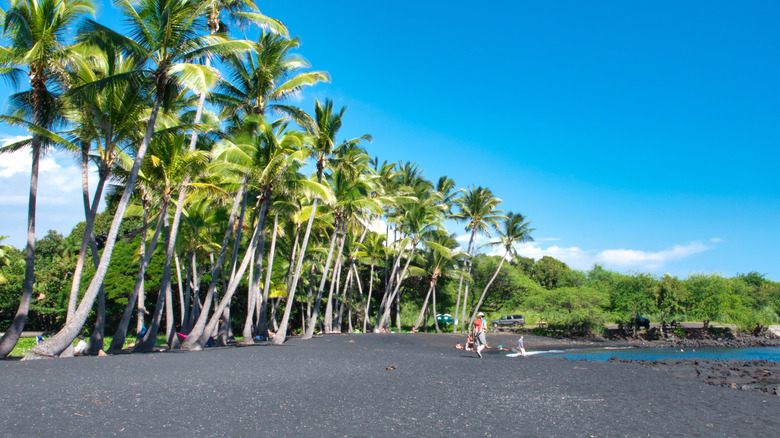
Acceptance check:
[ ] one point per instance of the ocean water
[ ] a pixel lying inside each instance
(761, 353)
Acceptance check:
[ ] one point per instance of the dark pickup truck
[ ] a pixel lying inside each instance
(640, 322)
(508, 321)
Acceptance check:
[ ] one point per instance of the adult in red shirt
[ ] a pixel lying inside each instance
(479, 333)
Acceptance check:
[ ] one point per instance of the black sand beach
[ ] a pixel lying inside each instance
(368, 385)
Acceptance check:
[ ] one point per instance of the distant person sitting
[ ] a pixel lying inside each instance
(458, 346)
(81, 346)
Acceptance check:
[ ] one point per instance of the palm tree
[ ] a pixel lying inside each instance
(441, 260)
(165, 35)
(421, 222)
(37, 31)
(515, 230)
(370, 250)
(476, 206)
(324, 129)
(111, 119)
(266, 151)
(214, 9)
(351, 187)
(170, 165)
(261, 81)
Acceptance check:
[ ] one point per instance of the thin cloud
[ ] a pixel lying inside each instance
(649, 259)
(617, 259)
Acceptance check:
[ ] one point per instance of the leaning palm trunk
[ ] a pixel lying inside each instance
(325, 270)
(145, 257)
(386, 297)
(183, 300)
(386, 316)
(281, 334)
(254, 289)
(14, 331)
(344, 300)
(147, 342)
(471, 249)
(386, 294)
(424, 307)
(368, 299)
(165, 285)
(200, 341)
(435, 321)
(88, 237)
(262, 319)
(484, 292)
(57, 343)
(334, 283)
(362, 298)
(460, 286)
(200, 324)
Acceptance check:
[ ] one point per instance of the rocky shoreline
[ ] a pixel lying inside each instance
(751, 375)
(746, 375)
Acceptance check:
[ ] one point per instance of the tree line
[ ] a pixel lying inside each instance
(213, 199)
(231, 209)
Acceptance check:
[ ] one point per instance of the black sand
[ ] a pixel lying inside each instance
(341, 386)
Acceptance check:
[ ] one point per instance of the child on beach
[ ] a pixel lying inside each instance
(81, 346)
(520, 346)
(470, 342)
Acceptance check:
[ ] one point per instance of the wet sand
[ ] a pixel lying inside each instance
(369, 385)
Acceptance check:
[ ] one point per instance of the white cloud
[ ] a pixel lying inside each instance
(649, 259)
(59, 203)
(716, 240)
(616, 259)
(575, 257)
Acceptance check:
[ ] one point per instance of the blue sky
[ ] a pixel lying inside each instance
(639, 135)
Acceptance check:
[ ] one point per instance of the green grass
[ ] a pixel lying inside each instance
(25, 344)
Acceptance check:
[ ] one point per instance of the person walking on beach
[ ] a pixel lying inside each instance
(520, 346)
(479, 334)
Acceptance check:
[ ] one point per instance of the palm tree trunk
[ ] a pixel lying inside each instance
(231, 289)
(368, 299)
(337, 323)
(148, 341)
(325, 270)
(460, 286)
(386, 316)
(254, 288)
(262, 318)
(435, 321)
(386, 300)
(424, 306)
(14, 331)
(89, 212)
(281, 334)
(334, 282)
(200, 324)
(484, 292)
(145, 257)
(182, 299)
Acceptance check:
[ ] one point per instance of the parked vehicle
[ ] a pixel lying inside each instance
(508, 321)
(640, 322)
